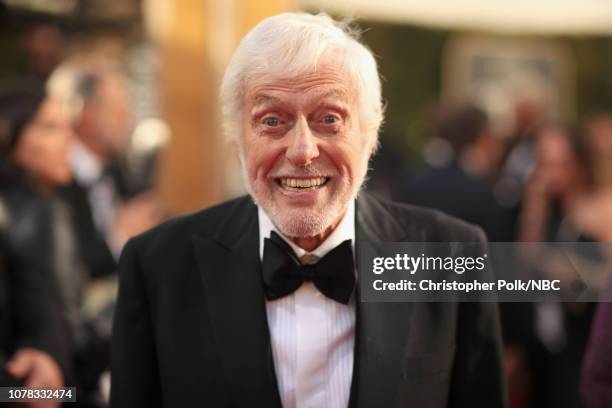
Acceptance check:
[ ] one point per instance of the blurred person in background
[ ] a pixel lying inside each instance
(44, 45)
(593, 211)
(40, 222)
(118, 207)
(562, 178)
(108, 203)
(30, 125)
(459, 165)
(531, 111)
(458, 175)
(598, 131)
(561, 181)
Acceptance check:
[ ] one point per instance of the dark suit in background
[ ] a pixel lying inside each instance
(470, 198)
(191, 330)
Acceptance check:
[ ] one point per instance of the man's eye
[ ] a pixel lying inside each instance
(330, 119)
(271, 121)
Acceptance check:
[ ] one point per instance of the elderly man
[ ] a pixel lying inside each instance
(223, 308)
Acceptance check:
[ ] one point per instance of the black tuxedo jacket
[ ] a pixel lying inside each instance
(190, 327)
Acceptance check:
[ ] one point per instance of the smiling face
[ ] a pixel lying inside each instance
(304, 150)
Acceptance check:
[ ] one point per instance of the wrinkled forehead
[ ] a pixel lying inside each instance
(322, 84)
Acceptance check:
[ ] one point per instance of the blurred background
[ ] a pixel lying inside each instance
(499, 113)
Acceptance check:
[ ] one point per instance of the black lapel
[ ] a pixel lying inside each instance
(230, 269)
(95, 251)
(382, 329)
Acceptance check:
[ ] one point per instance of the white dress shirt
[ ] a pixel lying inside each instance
(101, 192)
(312, 335)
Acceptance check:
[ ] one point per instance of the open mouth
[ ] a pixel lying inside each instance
(302, 184)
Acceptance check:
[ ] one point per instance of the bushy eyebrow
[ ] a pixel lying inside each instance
(264, 99)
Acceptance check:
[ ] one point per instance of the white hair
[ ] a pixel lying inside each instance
(288, 45)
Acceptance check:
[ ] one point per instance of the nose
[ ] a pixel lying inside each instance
(302, 148)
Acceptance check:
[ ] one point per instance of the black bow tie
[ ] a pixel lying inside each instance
(283, 273)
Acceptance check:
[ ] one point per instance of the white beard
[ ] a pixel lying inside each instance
(301, 222)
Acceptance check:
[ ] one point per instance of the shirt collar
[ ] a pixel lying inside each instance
(86, 166)
(345, 230)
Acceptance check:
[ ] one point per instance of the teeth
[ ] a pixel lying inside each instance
(302, 183)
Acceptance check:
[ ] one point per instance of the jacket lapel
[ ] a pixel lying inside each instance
(382, 329)
(230, 269)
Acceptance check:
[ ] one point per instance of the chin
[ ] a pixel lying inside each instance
(302, 223)
(299, 217)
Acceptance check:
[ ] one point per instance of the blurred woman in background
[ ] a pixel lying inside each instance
(562, 177)
(35, 139)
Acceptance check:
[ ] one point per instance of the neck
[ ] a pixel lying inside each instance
(309, 244)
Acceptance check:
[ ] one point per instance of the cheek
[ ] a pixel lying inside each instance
(55, 147)
(29, 153)
(347, 158)
(259, 159)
